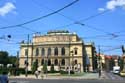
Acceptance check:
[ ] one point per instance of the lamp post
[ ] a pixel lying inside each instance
(99, 63)
(69, 57)
(26, 69)
(47, 65)
(72, 60)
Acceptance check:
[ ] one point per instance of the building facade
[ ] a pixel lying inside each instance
(65, 50)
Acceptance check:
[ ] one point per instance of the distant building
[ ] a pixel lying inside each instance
(61, 48)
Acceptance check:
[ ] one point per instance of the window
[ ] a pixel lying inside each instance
(25, 62)
(75, 61)
(76, 49)
(37, 51)
(49, 51)
(43, 52)
(36, 60)
(56, 51)
(49, 62)
(42, 62)
(56, 62)
(26, 52)
(63, 61)
(63, 51)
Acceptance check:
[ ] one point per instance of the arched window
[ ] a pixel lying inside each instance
(42, 62)
(37, 51)
(49, 51)
(63, 51)
(63, 62)
(56, 62)
(43, 52)
(49, 62)
(76, 51)
(56, 51)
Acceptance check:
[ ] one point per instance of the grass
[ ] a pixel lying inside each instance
(76, 74)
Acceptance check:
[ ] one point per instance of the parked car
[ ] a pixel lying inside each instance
(122, 73)
(116, 69)
(4, 78)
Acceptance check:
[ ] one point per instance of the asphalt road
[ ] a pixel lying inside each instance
(63, 81)
(112, 76)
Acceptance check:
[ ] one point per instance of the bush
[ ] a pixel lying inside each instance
(4, 71)
(21, 70)
(63, 72)
(29, 72)
(71, 72)
(53, 72)
(66, 72)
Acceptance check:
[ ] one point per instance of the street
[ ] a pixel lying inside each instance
(63, 81)
(114, 76)
(109, 78)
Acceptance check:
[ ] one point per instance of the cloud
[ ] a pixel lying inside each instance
(113, 4)
(7, 8)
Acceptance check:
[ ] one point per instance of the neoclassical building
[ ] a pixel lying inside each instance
(61, 48)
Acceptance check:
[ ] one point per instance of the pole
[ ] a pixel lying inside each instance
(47, 65)
(99, 63)
(69, 57)
(72, 61)
(32, 55)
(17, 59)
(26, 73)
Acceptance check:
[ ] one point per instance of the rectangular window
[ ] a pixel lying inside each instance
(26, 52)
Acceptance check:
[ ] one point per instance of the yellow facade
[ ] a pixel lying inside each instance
(60, 48)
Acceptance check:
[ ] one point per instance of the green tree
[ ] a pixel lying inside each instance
(12, 60)
(120, 63)
(45, 68)
(34, 66)
(4, 57)
(52, 68)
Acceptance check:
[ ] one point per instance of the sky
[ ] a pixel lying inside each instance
(98, 21)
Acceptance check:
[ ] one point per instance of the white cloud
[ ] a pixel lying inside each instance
(7, 8)
(112, 4)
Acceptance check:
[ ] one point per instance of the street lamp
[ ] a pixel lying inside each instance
(26, 62)
(72, 60)
(99, 63)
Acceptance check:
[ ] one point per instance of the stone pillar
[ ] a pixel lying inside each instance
(116, 62)
(123, 50)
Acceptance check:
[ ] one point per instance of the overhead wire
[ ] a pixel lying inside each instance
(39, 5)
(41, 17)
(82, 20)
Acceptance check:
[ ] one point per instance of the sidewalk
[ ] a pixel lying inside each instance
(103, 75)
(85, 76)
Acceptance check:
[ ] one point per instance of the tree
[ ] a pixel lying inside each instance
(4, 59)
(52, 69)
(120, 63)
(34, 66)
(45, 68)
(12, 60)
